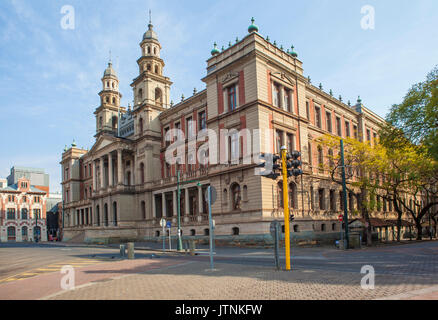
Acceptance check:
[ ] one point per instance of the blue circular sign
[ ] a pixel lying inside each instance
(168, 224)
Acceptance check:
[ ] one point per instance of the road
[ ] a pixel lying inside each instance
(36, 267)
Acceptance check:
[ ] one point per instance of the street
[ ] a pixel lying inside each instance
(32, 271)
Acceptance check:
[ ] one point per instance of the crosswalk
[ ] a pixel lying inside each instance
(55, 267)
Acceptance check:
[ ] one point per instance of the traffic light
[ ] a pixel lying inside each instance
(270, 172)
(294, 164)
(291, 217)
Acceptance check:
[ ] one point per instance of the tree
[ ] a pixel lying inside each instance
(417, 115)
(359, 160)
(410, 172)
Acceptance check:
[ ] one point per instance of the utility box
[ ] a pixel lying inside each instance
(131, 250)
(354, 238)
(192, 246)
(123, 250)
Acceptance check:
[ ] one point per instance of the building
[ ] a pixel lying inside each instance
(36, 176)
(23, 212)
(123, 186)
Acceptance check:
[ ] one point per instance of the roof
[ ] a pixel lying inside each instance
(14, 187)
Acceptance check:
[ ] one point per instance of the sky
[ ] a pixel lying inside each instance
(50, 76)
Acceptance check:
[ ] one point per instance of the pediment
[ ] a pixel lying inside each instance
(101, 143)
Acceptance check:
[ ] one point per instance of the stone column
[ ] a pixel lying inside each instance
(175, 203)
(154, 209)
(187, 201)
(110, 170)
(102, 171)
(119, 167)
(163, 202)
(200, 201)
(94, 176)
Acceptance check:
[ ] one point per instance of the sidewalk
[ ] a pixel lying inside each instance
(195, 281)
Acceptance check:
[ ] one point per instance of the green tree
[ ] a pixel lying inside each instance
(417, 115)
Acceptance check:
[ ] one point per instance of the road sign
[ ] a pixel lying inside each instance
(169, 224)
(341, 217)
(162, 222)
(213, 195)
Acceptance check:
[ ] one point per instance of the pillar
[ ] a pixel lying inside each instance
(163, 204)
(200, 201)
(154, 209)
(94, 176)
(187, 204)
(175, 203)
(119, 167)
(101, 173)
(110, 170)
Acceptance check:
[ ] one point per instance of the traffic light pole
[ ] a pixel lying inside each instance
(344, 192)
(286, 207)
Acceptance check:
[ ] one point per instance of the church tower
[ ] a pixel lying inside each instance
(107, 114)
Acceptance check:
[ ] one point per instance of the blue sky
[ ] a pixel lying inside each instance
(50, 77)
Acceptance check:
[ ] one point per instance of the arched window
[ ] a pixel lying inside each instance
(206, 232)
(236, 231)
(140, 94)
(293, 198)
(24, 233)
(155, 50)
(143, 210)
(156, 69)
(296, 229)
(113, 85)
(148, 67)
(115, 213)
(98, 215)
(280, 195)
(157, 233)
(114, 100)
(333, 226)
(114, 122)
(11, 234)
(225, 197)
(128, 178)
(142, 172)
(245, 193)
(105, 215)
(107, 99)
(236, 197)
(140, 126)
(323, 227)
(149, 50)
(158, 97)
(100, 122)
(193, 232)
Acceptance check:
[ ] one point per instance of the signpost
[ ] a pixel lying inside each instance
(169, 226)
(211, 198)
(275, 226)
(163, 225)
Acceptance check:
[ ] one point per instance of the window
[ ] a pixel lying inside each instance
(328, 119)
(338, 126)
(308, 110)
(332, 200)
(312, 198)
(140, 94)
(318, 116)
(374, 137)
(276, 96)
(293, 198)
(140, 125)
(231, 98)
(11, 214)
(309, 146)
(355, 131)
(347, 129)
(234, 147)
(179, 131)
(341, 200)
(323, 227)
(368, 135)
(331, 159)
(37, 213)
(280, 195)
(158, 97)
(287, 100)
(190, 128)
(142, 172)
(290, 142)
(320, 157)
(236, 197)
(236, 231)
(321, 199)
(202, 120)
(279, 140)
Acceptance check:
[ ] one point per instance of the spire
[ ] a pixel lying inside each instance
(253, 28)
(150, 34)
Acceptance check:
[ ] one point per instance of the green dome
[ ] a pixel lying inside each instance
(215, 50)
(253, 27)
(293, 53)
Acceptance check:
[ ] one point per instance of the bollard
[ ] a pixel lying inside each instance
(123, 250)
(131, 250)
(192, 247)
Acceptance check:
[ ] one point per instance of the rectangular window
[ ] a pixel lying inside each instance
(332, 200)
(328, 120)
(179, 131)
(202, 120)
(190, 128)
(375, 137)
(290, 142)
(355, 132)
(276, 96)
(11, 214)
(287, 100)
(341, 200)
(23, 214)
(338, 126)
(347, 129)
(310, 153)
(232, 98)
(308, 110)
(318, 117)
(321, 199)
(279, 140)
(368, 135)
(166, 142)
